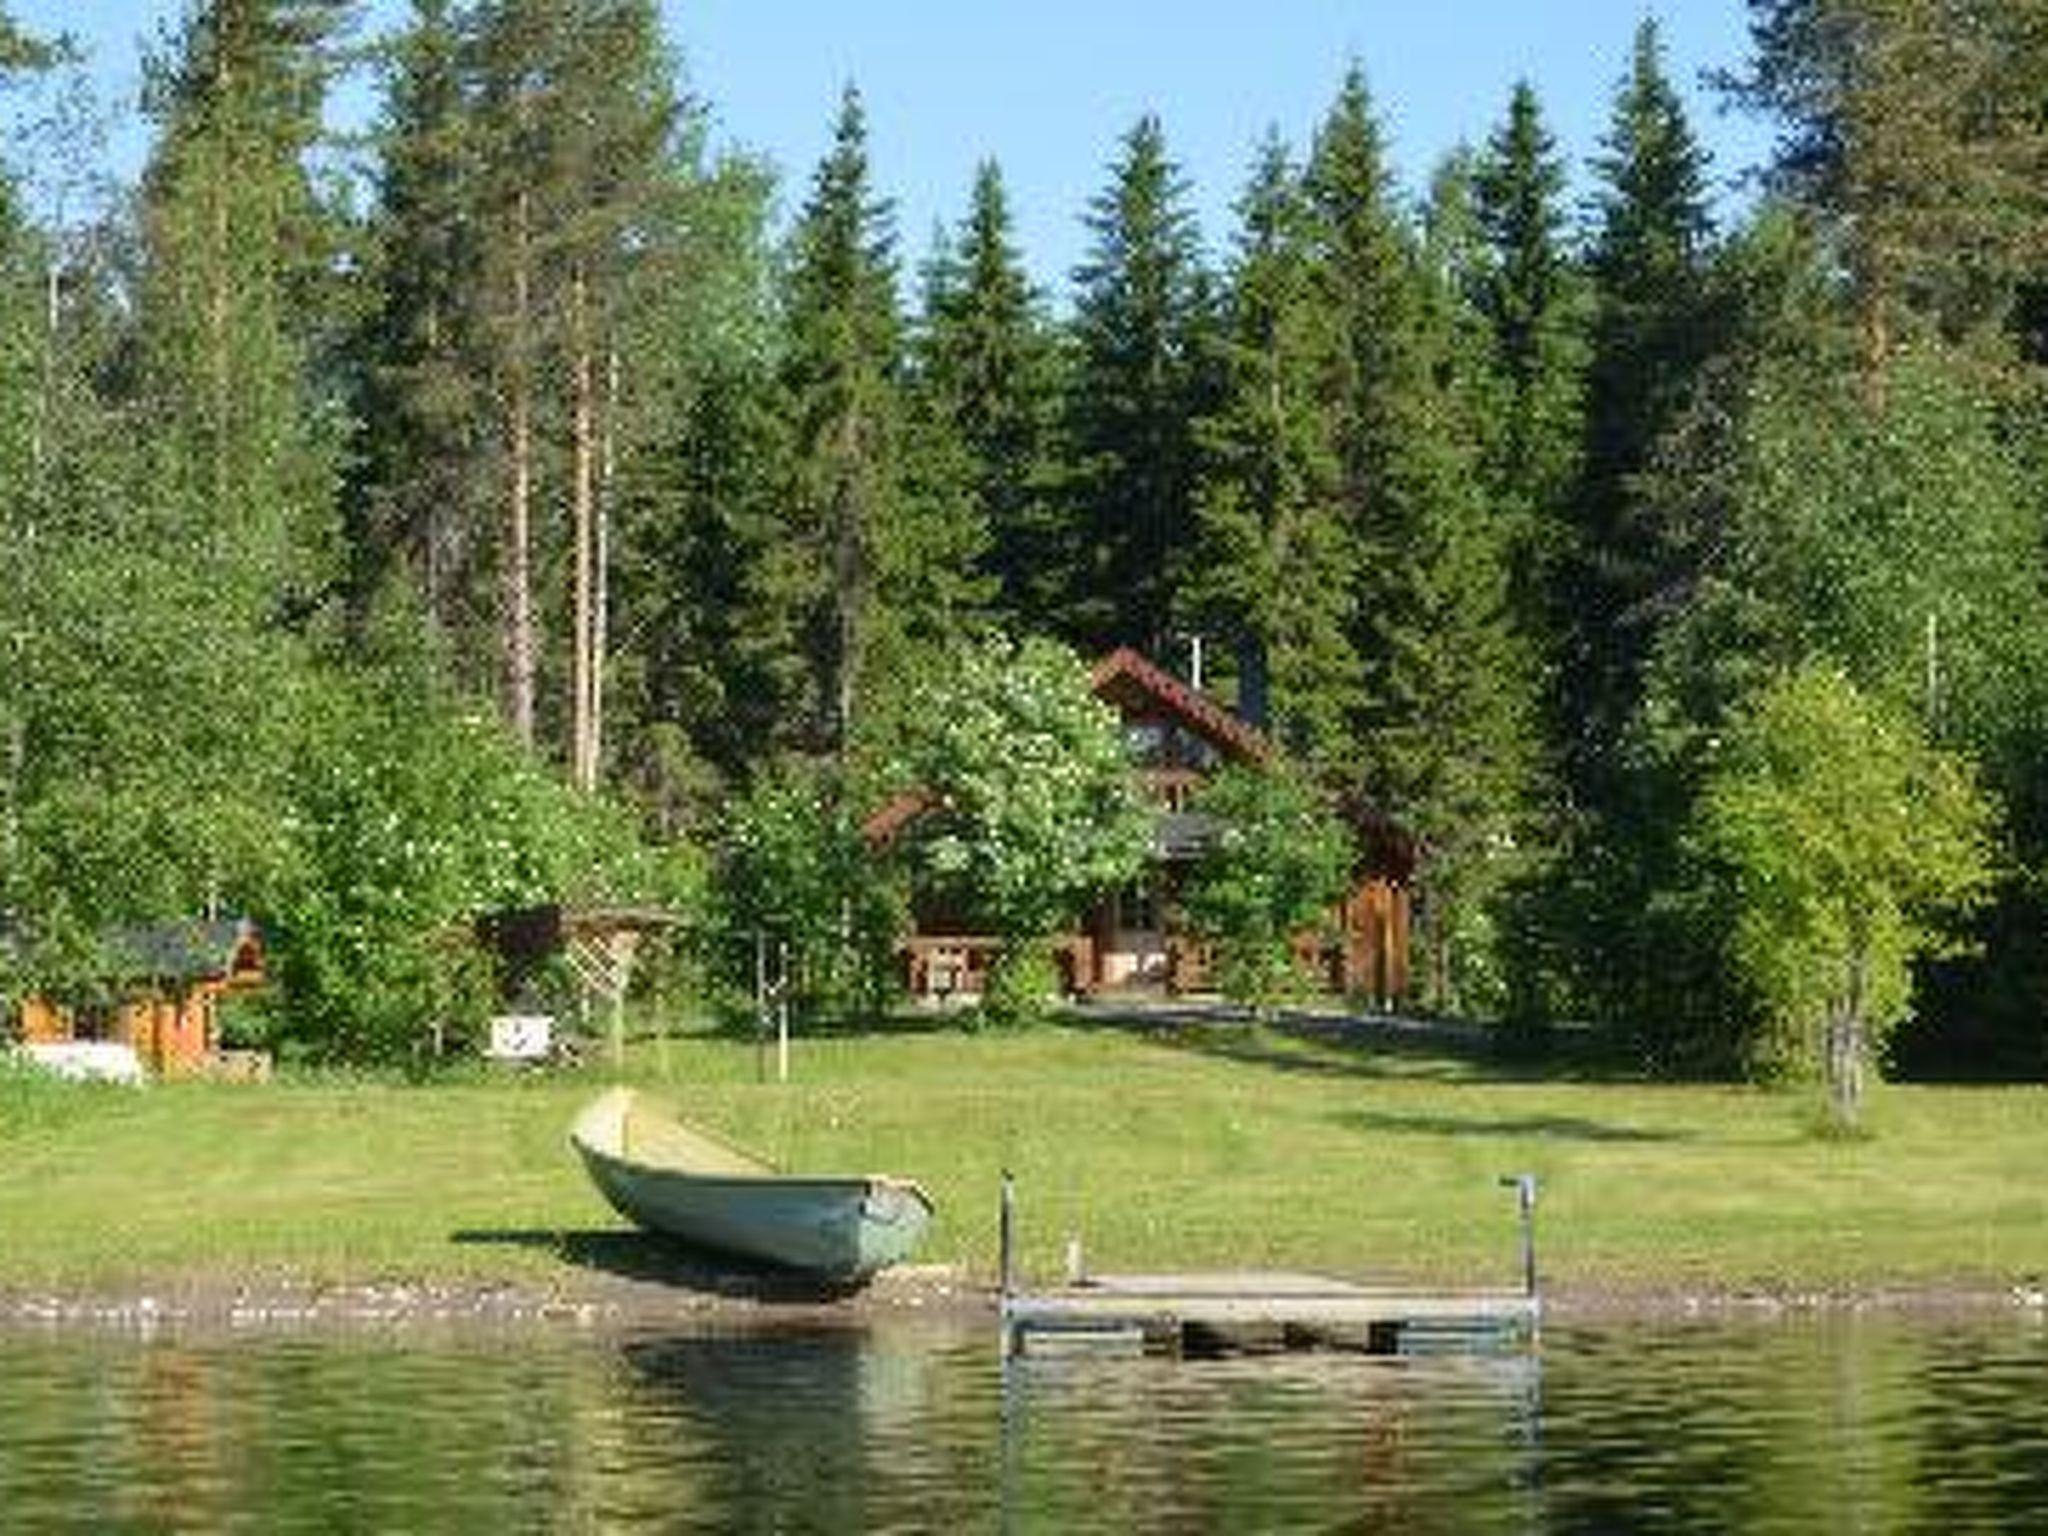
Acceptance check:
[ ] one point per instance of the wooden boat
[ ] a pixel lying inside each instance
(682, 1182)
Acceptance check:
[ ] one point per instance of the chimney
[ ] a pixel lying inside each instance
(1251, 681)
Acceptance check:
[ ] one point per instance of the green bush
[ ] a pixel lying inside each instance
(406, 823)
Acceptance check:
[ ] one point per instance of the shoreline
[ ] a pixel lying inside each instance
(940, 1295)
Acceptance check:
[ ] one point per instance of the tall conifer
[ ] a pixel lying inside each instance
(423, 444)
(1273, 572)
(1914, 130)
(1529, 294)
(237, 248)
(575, 117)
(1651, 333)
(889, 529)
(1138, 318)
(1442, 731)
(989, 368)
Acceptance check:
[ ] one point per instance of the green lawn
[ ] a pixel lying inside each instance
(1221, 1147)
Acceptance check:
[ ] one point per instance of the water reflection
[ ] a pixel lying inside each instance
(1835, 1423)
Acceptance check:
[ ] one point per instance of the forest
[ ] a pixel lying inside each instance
(509, 506)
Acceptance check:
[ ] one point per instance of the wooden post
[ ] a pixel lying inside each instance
(782, 1014)
(760, 1006)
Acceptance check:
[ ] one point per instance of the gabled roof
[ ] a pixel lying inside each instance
(192, 950)
(1127, 679)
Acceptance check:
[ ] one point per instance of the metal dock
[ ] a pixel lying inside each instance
(1258, 1311)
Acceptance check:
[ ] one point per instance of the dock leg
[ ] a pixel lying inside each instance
(1006, 1243)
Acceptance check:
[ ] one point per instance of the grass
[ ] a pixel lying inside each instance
(1209, 1147)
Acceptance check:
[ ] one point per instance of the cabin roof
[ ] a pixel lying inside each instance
(182, 950)
(1131, 683)
(536, 932)
(188, 950)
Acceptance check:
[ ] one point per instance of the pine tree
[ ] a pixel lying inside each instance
(1272, 570)
(1136, 387)
(1914, 129)
(575, 116)
(988, 367)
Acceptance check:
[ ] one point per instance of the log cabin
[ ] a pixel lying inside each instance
(1127, 943)
(158, 990)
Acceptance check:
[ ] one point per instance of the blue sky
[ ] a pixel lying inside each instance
(1048, 86)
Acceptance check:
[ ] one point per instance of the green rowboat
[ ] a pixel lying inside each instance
(682, 1182)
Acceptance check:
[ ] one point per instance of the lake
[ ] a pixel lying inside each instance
(1802, 1422)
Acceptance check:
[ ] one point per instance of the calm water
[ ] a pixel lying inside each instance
(1841, 1424)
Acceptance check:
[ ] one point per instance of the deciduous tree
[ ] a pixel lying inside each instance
(1848, 845)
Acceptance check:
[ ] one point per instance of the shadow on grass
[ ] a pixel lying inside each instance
(1359, 1045)
(643, 1257)
(1312, 1045)
(1541, 1127)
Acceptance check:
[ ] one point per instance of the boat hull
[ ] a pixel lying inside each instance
(840, 1228)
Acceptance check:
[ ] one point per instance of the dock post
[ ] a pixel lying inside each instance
(1006, 1244)
(1524, 1186)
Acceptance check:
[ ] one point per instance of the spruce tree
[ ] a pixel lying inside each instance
(1273, 567)
(1137, 379)
(1529, 294)
(1441, 737)
(988, 367)
(709, 675)
(840, 374)
(423, 444)
(1654, 326)
(883, 520)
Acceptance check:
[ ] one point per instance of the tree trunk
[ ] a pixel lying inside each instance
(600, 611)
(1845, 1052)
(583, 495)
(519, 637)
(218, 303)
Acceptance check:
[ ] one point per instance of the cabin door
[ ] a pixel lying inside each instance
(1135, 952)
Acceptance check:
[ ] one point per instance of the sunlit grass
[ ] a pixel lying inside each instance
(1220, 1147)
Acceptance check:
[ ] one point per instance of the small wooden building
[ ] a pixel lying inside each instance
(1127, 943)
(158, 991)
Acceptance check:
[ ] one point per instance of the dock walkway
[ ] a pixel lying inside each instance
(1258, 1311)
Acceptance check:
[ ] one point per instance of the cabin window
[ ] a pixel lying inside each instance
(1146, 741)
(93, 1021)
(1137, 908)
